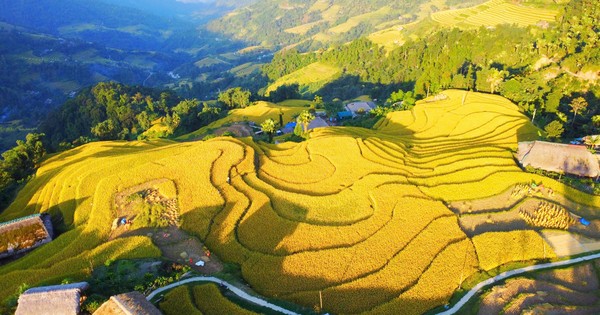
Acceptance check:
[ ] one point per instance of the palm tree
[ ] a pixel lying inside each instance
(304, 119)
(268, 127)
(495, 78)
(577, 105)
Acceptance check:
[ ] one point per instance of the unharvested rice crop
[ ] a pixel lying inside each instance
(492, 13)
(356, 214)
(211, 301)
(497, 248)
(310, 78)
(199, 299)
(179, 301)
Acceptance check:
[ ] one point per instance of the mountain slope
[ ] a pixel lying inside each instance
(358, 216)
(280, 23)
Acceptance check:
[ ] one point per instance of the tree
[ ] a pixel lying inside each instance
(144, 120)
(332, 108)
(317, 102)
(106, 130)
(304, 119)
(235, 97)
(553, 101)
(554, 129)
(225, 98)
(596, 120)
(18, 164)
(494, 78)
(592, 141)
(578, 105)
(240, 98)
(395, 97)
(280, 117)
(268, 126)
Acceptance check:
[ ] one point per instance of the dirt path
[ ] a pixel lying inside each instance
(513, 273)
(178, 246)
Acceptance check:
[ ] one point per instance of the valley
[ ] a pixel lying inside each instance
(302, 157)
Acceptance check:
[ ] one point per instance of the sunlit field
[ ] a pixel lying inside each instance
(359, 216)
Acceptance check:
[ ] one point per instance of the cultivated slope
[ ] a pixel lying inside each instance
(359, 215)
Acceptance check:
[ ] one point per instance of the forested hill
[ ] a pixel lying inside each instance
(543, 69)
(314, 23)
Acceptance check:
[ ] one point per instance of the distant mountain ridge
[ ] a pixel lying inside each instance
(315, 23)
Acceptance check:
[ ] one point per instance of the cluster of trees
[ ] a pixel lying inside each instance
(542, 70)
(285, 62)
(18, 164)
(269, 126)
(112, 111)
(107, 111)
(235, 98)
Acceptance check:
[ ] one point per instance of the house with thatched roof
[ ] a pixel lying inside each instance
(52, 300)
(132, 303)
(558, 157)
(357, 108)
(317, 123)
(23, 234)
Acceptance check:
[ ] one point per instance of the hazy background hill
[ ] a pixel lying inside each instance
(333, 48)
(52, 49)
(315, 23)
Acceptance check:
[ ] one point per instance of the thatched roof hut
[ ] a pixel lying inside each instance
(558, 157)
(355, 107)
(25, 233)
(132, 303)
(52, 300)
(317, 122)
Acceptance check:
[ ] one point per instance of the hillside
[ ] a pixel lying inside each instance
(315, 23)
(46, 60)
(370, 218)
(540, 65)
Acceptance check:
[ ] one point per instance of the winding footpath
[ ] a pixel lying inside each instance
(452, 310)
(229, 286)
(511, 273)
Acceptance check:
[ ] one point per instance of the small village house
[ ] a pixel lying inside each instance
(558, 157)
(52, 300)
(127, 304)
(357, 108)
(24, 234)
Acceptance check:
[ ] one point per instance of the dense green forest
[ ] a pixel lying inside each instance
(18, 164)
(542, 70)
(113, 111)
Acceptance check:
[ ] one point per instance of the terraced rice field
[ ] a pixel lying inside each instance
(200, 299)
(358, 216)
(492, 13)
(355, 20)
(310, 78)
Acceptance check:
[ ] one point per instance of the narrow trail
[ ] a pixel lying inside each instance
(512, 273)
(237, 291)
